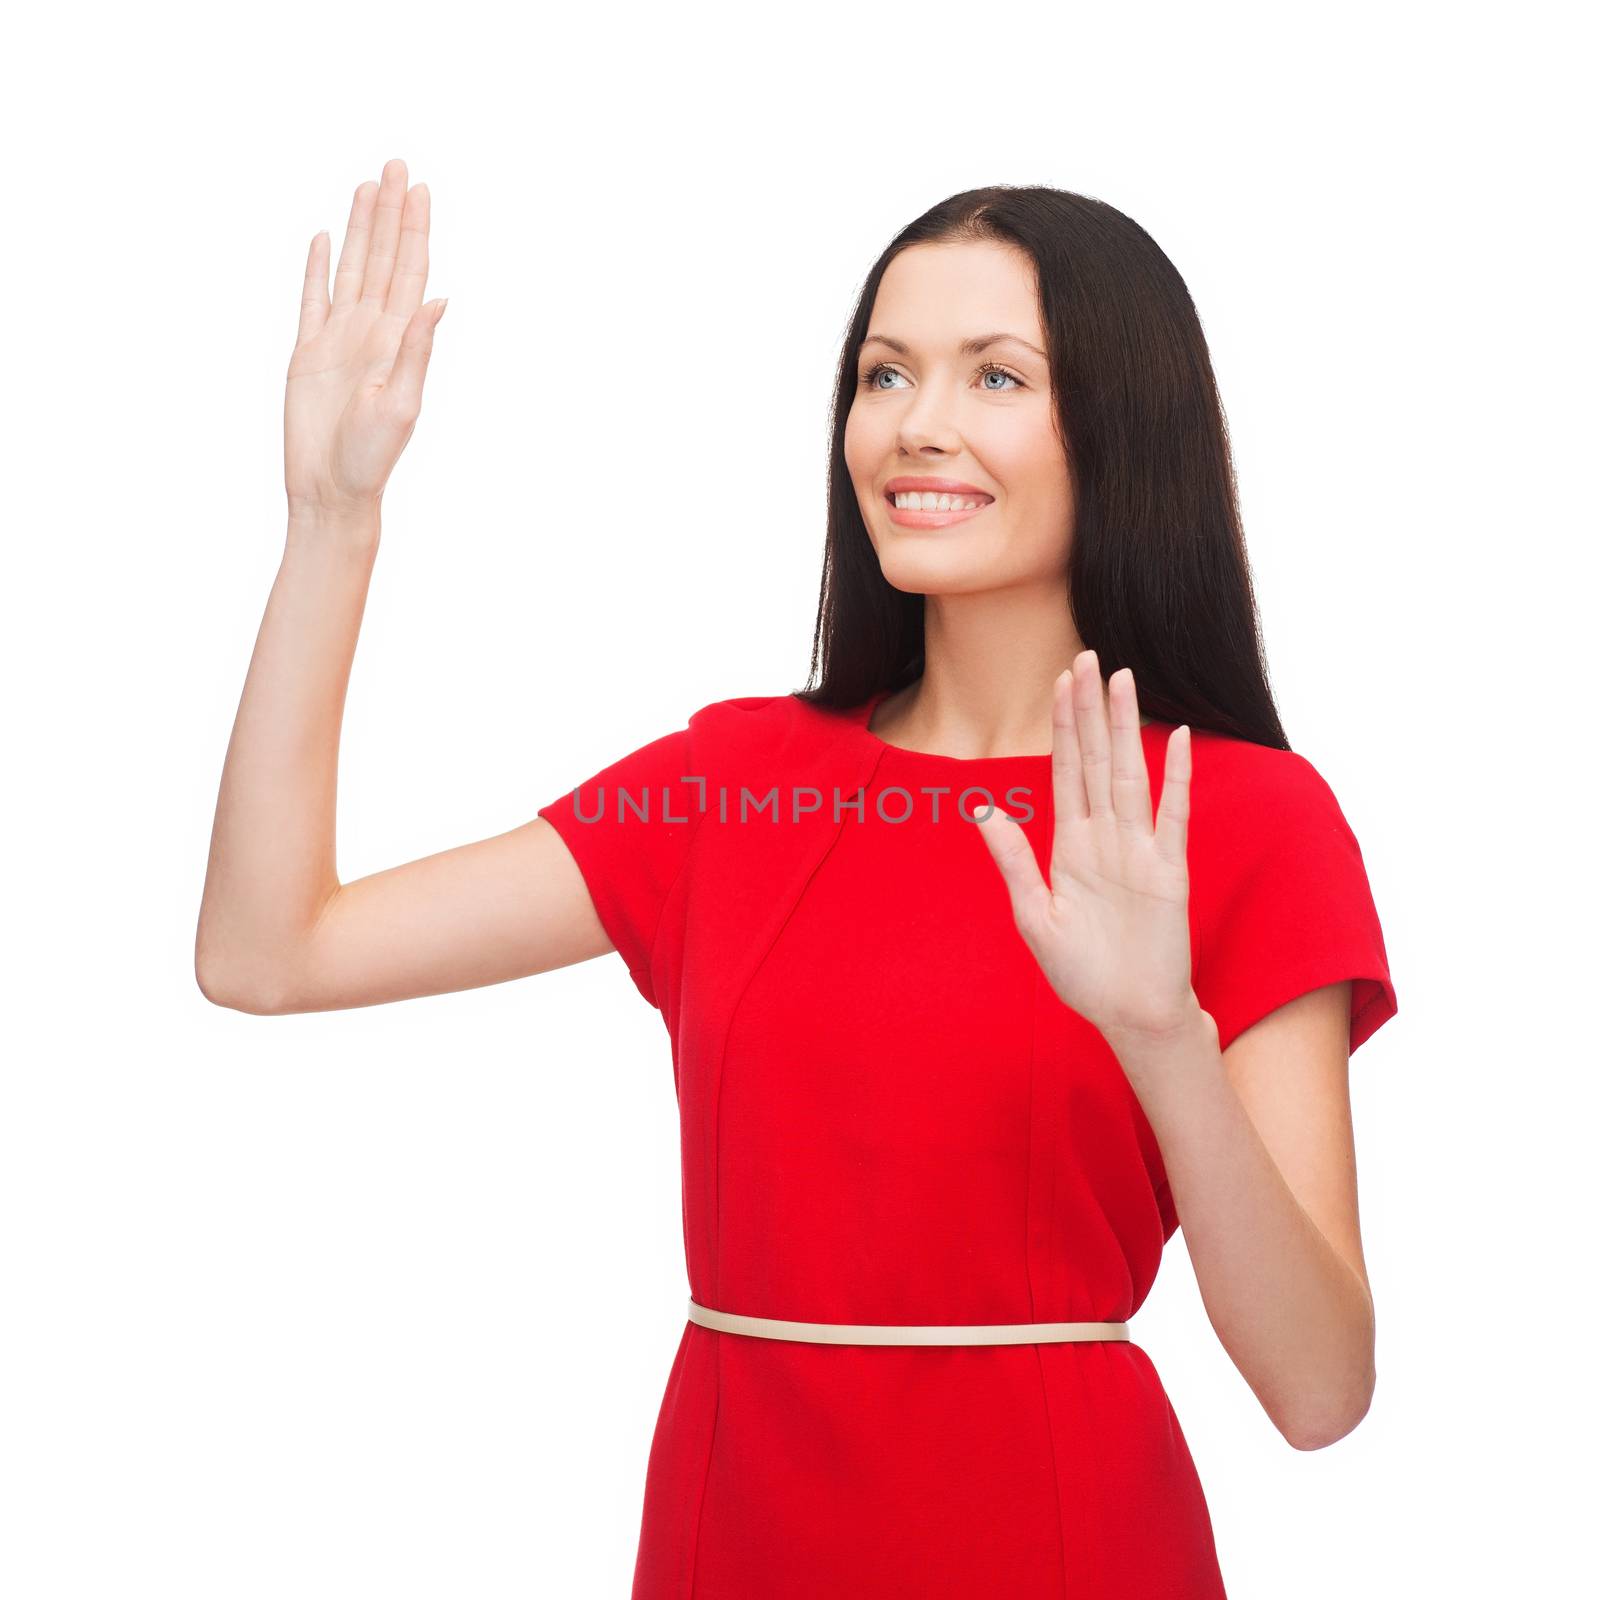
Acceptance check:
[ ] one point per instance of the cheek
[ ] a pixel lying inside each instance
(1028, 459)
(866, 447)
(854, 448)
(1031, 464)
(863, 439)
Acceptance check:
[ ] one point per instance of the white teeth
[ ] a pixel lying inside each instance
(936, 502)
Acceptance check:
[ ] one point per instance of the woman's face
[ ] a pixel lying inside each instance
(924, 408)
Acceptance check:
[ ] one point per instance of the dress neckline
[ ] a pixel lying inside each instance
(861, 715)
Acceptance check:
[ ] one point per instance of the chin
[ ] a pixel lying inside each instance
(946, 571)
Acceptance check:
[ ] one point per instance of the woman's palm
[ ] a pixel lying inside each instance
(355, 379)
(1110, 929)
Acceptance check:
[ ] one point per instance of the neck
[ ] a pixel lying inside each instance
(988, 682)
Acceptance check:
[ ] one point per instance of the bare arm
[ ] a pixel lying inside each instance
(277, 930)
(1260, 1155)
(1256, 1141)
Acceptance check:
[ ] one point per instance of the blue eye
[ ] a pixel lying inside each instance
(989, 367)
(869, 378)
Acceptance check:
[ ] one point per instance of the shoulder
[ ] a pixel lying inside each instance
(1249, 801)
(755, 727)
(1279, 894)
(747, 715)
(1251, 780)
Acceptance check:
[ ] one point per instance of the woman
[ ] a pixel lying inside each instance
(942, 1102)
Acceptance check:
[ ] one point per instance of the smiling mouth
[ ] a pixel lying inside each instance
(932, 520)
(983, 500)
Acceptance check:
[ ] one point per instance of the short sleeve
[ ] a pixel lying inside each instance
(629, 828)
(1287, 907)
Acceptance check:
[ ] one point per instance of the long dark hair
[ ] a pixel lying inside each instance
(1157, 576)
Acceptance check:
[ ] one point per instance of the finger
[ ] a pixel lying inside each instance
(1172, 816)
(411, 262)
(1066, 760)
(385, 234)
(1130, 780)
(353, 254)
(1014, 856)
(403, 389)
(1068, 799)
(314, 291)
(1094, 737)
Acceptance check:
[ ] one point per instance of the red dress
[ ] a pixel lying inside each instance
(888, 1116)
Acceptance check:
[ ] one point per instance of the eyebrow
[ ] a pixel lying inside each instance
(968, 347)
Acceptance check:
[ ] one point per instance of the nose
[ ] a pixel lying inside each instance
(928, 422)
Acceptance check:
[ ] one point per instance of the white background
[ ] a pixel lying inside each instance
(382, 1303)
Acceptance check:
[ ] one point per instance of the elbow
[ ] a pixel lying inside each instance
(238, 987)
(1333, 1406)
(1320, 1434)
(236, 997)
(1316, 1427)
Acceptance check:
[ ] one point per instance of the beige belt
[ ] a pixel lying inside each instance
(910, 1333)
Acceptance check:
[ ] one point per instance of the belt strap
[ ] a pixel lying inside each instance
(906, 1333)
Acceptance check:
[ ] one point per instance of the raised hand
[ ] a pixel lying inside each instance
(355, 378)
(1111, 928)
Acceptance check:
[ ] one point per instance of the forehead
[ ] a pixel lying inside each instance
(938, 294)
